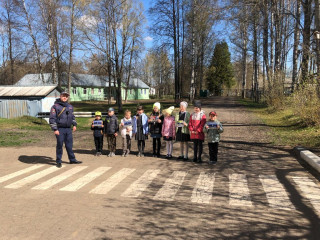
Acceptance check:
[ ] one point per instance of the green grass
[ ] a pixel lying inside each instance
(286, 127)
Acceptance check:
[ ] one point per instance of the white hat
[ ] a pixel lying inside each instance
(169, 110)
(157, 104)
(185, 104)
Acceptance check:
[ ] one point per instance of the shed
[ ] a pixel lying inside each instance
(16, 101)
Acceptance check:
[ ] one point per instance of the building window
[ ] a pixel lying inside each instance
(145, 91)
(84, 90)
(74, 91)
(140, 91)
(92, 91)
(99, 91)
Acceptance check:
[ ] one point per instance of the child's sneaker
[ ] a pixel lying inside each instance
(123, 154)
(110, 154)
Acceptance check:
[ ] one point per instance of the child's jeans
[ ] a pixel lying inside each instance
(126, 144)
(98, 141)
(213, 151)
(156, 145)
(197, 149)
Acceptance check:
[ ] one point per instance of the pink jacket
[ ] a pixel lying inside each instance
(169, 127)
(196, 124)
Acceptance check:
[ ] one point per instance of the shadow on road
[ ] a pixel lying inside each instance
(37, 160)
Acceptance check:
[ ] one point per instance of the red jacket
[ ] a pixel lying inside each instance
(196, 124)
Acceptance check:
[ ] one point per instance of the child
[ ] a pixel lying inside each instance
(196, 124)
(140, 129)
(168, 130)
(97, 127)
(155, 128)
(126, 133)
(213, 128)
(182, 135)
(111, 129)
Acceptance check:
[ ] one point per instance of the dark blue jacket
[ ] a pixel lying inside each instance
(111, 125)
(97, 130)
(65, 120)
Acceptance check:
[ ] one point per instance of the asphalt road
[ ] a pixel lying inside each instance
(256, 191)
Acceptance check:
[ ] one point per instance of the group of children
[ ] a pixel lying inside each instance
(183, 128)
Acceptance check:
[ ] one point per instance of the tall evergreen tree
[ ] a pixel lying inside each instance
(220, 72)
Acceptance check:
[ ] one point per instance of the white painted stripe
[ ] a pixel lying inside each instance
(310, 190)
(202, 193)
(32, 178)
(275, 192)
(81, 182)
(55, 180)
(16, 174)
(171, 186)
(141, 184)
(110, 183)
(239, 194)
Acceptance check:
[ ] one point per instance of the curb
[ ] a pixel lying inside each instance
(312, 159)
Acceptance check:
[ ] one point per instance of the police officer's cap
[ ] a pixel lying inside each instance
(64, 93)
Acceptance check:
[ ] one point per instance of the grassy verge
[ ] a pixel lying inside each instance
(286, 127)
(23, 130)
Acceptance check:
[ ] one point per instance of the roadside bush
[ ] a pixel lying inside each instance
(275, 97)
(306, 104)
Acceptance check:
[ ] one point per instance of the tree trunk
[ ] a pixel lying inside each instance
(71, 45)
(306, 39)
(317, 23)
(34, 41)
(296, 46)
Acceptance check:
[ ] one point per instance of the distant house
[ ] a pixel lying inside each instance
(17, 101)
(89, 87)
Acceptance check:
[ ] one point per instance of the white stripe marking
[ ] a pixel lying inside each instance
(239, 194)
(32, 178)
(16, 174)
(275, 192)
(171, 186)
(110, 183)
(141, 184)
(202, 193)
(55, 180)
(81, 182)
(310, 190)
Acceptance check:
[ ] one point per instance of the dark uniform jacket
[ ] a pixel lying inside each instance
(111, 125)
(155, 127)
(66, 118)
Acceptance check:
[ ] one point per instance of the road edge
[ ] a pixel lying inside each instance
(310, 158)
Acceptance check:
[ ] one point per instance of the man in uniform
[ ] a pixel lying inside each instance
(61, 119)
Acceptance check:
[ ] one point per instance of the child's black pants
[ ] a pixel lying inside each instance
(98, 141)
(213, 151)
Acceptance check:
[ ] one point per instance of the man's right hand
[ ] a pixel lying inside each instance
(56, 132)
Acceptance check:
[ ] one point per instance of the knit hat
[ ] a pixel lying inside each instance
(169, 110)
(197, 104)
(157, 104)
(184, 104)
(98, 113)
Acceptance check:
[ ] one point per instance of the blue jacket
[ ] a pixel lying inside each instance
(144, 123)
(65, 120)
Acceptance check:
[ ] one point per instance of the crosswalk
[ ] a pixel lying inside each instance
(203, 190)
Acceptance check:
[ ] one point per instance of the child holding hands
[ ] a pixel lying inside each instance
(183, 135)
(97, 127)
